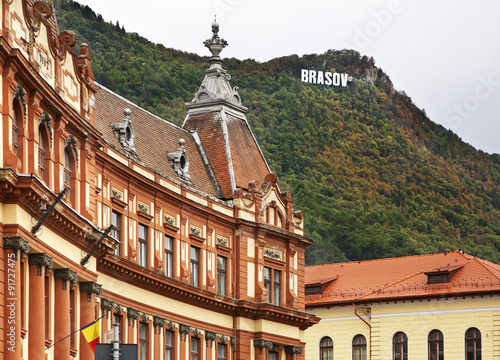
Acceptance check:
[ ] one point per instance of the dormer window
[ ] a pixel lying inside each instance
(442, 274)
(319, 287)
(125, 133)
(180, 161)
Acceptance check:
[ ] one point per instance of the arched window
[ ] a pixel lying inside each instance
(436, 345)
(400, 346)
(326, 348)
(67, 171)
(473, 344)
(359, 348)
(15, 127)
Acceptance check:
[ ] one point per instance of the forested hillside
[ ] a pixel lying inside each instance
(374, 176)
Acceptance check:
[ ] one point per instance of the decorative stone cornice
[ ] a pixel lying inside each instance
(107, 305)
(210, 336)
(292, 349)
(159, 323)
(16, 243)
(19, 95)
(66, 275)
(184, 330)
(262, 343)
(144, 317)
(40, 260)
(90, 287)
(118, 309)
(70, 142)
(44, 120)
(132, 315)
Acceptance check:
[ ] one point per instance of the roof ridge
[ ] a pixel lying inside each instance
(392, 284)
(488, 266)
(385, 259)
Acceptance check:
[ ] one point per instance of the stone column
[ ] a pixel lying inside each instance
(15, 247)
(107, 307)
(184, 351)
(88, 290)
(158, 323)
(294, 352)
(211, 339)
(64, 281)
(260, 348)
(132, 315)
(38, 267)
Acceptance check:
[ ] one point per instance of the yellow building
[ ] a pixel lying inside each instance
(428, 307)
(180, 235)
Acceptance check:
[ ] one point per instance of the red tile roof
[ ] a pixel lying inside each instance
(154, 138)
(403, 277)
(240, 155)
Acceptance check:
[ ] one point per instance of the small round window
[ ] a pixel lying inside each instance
(128, 133)
(183, 162)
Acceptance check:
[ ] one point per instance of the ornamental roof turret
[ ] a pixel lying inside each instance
(217, 117)
(216, 88)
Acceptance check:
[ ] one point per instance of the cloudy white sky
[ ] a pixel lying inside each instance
(443, 53)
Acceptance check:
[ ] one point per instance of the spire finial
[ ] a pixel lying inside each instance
(215, 44)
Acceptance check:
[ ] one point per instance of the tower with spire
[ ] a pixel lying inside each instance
(218, 116)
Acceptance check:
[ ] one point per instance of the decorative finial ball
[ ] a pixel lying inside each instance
(182, 142)
(215, 27)
(127, 112)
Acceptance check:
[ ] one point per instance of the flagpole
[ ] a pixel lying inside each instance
(74, 332)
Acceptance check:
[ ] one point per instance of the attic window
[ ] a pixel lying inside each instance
(315, 289)
(319, 287)
(442, 275)
(180, 162)
(125, 133)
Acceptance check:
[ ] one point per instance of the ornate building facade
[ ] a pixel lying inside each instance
(179, 234)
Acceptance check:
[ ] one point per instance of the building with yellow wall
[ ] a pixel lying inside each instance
(180, 235)
(440, 306)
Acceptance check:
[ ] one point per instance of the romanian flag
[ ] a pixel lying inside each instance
(92, 333)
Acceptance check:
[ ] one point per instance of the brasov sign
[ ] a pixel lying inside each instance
(324, 78)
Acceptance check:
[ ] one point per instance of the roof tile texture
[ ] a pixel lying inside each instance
(154, 138)
(247, 160)
(402, 277)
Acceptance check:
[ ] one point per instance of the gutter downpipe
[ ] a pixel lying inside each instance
(363, 320)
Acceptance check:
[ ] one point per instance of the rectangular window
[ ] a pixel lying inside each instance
(277, 287)
(143, 245)
(169, 256)
(195, 266)
(194, 348)
(272, 283)
(221, 275)
(115, 230)
(267, 282)
(143, 341)
(169, 350)
(272, 355)
(41, 161)
(221, 351)
(15, 129)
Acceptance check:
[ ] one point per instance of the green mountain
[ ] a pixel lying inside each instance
(375, 177)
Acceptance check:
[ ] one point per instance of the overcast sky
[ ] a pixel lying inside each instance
(443, 53)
